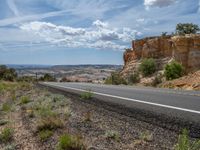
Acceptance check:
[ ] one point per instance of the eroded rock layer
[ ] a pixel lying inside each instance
(184, 49)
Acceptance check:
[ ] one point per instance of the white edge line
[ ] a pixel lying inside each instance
(129, 99)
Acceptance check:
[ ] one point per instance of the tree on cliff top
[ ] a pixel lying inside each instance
(187, 28)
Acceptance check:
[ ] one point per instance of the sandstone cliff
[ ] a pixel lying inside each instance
(184, 49)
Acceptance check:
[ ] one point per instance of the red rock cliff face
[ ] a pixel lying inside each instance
(184, 49)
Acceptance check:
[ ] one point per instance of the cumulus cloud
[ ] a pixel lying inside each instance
(100, 24)
(99, 35)
(158, 3)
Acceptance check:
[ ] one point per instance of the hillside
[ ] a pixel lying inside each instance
(183, 49)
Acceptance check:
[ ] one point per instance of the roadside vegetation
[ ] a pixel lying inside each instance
(173, 70)
(87, 95)
(52, 121)
(147, 67)
(184, 142)
(115, 79)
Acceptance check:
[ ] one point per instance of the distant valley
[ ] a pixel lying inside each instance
(75, 73)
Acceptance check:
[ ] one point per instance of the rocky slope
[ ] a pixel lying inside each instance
(189, 82)
(184, 49)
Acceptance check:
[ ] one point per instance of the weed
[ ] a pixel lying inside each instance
(13, 94)
(6, 135)
(147, 66)
(112, 135)
(69, 142)
(30, 113)
(24, 100)
(3, 122)
(45, 111)
(49, 123)
(10, 147)
(146, 136)
(184, 142)
(134, 78)
(6, 107)
(45, 134)
(67, 113)
(87, 95)
(87, 117)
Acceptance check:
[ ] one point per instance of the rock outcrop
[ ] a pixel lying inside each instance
(184, 49)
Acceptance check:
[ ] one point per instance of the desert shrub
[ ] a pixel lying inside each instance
(24, 100)
(65, 79)
(7, 74)
(10, 147)
(173, 70)
(88, 117)
(186, 28)
(6, 135)
(3, 122)
(69, 142)
(87, 95)
(49, 123)
(25, 86)
(49, 120)
(148, 66)
(146, 136)
(115, 79)
(184, 142)
(13, 94)
(157, 80)
(26, 79)
(44, 111)
(6, 107)
(47, 77)
(110, 134)
(134, 78)
(163, 34)
(45, 134)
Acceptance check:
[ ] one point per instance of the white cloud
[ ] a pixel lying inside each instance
(100, 24)
(25, 18)
(140, 20)
(97, 36)
(158, 3)
(13, 7)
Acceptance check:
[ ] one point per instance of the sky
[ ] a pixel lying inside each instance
(58, 32)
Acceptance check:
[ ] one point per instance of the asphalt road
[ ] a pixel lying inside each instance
(184, 105)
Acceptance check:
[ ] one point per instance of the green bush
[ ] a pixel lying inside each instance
(112, 135)
(147, 67)
(115, 79)
(87, 95)
(186, 28)
(6, 135)
(45, 134)
(146, 136)
(134, 78)
(7, 74)
(184, 142)
(69, 142)
(49, 123)
(24, 100)
(6, 107)
(173, 70)
(47, 77)
(157, 80)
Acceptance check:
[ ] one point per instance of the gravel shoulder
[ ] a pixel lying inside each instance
(98, 127)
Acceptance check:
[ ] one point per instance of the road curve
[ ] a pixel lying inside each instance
(184, 105)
